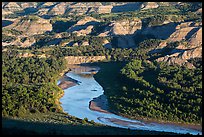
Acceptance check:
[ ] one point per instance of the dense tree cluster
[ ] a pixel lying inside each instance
(29, 84)
(159, 91)
(189, 6)
(154, 20)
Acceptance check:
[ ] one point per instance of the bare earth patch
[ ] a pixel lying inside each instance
(99, 104)
(66, 82)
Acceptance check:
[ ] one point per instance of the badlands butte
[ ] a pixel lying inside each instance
(43, 25)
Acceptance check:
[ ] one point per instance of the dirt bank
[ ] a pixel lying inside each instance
(66, 82)
(99, 104)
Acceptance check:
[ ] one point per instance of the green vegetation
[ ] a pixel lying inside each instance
(154, 20)
(28, 100)
(136, 87)
(189, 6)
(142, 89)
(52, 117)
(196, 62)
(29, 84)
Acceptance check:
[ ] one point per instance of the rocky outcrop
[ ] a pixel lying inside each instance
(31, 25)
(192, 53)
(83, 26)
(12, 7)
(104, 9)
(125, 26)
(5, 12)
(25, 5)
(58, 9)
(149, 5)
(189, 34)
(28, 42)
(161, 31)
(199, 11)
(181, 58)
(83, 8)
(85, 43)
(86, 20)
(107, 44)
(196, 38)
(26, 55)
(122, 27)
(42, 11)
(84, 30)
(46, 5)
(123, 31)
(171, 60)
(180, 34)
(84, 59)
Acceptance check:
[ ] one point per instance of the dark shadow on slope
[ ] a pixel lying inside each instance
(54, 41)
(190, 33)
(51, 7)
(89, 9)
(47, 16)
(6, 23)
(19, 127)
(47, 42)
(27, 11)
(126, 7)
(80, 27)
(99, 28)
(41, 5)
(129, 40)
(161, 31)
(62, 26)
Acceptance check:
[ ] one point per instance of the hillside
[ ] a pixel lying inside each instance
(156, 48)
(124, 25)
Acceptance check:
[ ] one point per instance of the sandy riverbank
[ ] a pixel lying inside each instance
(99, 104)
(66, 82)
(149, 121)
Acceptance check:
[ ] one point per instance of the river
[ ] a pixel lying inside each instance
(76, 103)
